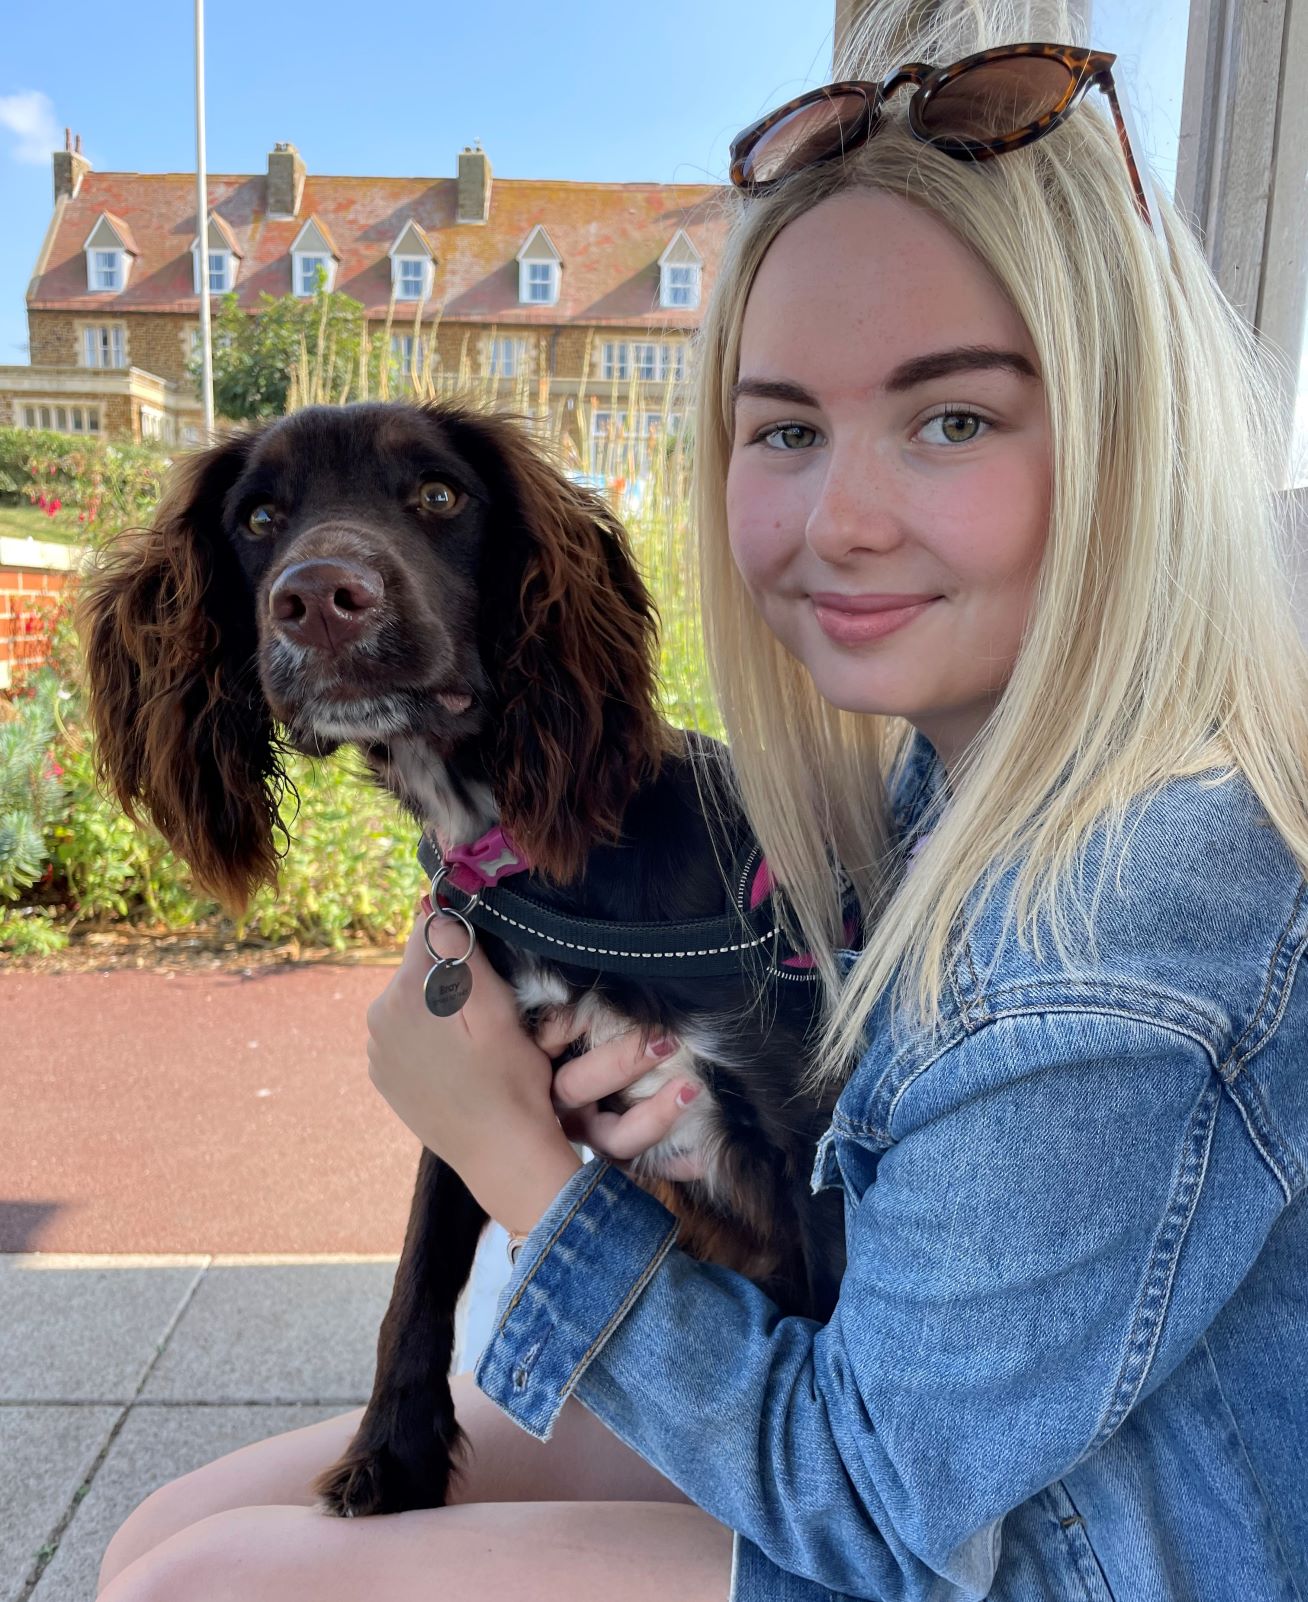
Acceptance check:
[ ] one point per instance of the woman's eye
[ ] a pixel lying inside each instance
(262, 520)
(433, 496)
(788, 437)
(957, 428)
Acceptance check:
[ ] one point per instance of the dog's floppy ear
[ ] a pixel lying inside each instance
(571, 636)
(182, 731)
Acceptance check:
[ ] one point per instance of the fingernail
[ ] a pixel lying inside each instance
(686, 1095)
(662, 1047)
(425, 904)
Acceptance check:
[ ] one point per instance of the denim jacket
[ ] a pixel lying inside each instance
(1070, 1354)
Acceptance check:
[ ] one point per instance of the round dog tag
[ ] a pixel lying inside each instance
(447, 987)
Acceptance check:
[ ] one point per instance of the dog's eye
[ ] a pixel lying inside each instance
(433, 496)
(262, 520)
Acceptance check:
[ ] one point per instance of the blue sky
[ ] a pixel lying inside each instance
(611, 92)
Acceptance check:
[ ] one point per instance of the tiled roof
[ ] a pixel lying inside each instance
(609, 237)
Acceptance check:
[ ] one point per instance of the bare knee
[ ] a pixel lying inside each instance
(226, 1555)
(279, 1470)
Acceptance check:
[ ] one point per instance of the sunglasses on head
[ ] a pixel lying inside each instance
(983, 106)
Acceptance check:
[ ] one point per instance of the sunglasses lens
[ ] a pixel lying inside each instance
(811, 133)
(997, 98)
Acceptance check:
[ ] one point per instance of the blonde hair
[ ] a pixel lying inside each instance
(1160, 640)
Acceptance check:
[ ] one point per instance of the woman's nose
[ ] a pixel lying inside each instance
(857, 507)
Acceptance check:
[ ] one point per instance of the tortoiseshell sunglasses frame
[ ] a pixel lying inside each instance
(1087, 69)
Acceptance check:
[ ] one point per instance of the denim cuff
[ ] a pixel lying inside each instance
(581, 1269)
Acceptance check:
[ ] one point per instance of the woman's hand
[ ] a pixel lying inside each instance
(474, 1087)
(605, 1070)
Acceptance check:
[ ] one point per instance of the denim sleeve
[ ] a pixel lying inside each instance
(1060, 1209)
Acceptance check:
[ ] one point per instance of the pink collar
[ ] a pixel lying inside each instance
(485, 862)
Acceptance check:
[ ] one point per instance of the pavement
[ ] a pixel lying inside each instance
(202, 1201)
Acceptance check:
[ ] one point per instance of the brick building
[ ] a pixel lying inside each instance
(578, 292)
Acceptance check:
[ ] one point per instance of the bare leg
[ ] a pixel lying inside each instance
(581, 1462)
(506, 1551)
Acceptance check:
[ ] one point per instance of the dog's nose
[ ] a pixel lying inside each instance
(324, 604)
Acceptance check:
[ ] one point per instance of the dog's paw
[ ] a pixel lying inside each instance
(372, 1480)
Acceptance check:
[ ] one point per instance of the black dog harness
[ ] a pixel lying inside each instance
(466, 884)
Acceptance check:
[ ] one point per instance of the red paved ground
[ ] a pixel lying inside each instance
(196, 1112)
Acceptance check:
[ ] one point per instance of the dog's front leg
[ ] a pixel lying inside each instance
(404, 1451)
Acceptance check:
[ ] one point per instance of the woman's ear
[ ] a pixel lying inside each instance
(183, 734)
(570, 634)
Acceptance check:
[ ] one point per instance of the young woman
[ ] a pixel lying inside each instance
(985, 509)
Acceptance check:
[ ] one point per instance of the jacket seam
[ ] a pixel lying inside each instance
(1207, 1350)
(1231, 1061)
(1160, 1273)
(549, 1244)
(875, 1131)
(1257, 1121)
(664, 1247)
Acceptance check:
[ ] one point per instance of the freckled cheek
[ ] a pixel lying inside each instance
(765, 524)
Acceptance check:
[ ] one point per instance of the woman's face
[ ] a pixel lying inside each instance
(889, 485)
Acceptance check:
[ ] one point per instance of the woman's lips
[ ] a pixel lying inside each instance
(850, 619)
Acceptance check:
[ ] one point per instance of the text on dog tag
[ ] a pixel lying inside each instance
(446, 989)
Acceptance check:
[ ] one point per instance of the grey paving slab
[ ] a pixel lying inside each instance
(86, 1333)
(155, 1444)
(46, 1455)
(302, 1332)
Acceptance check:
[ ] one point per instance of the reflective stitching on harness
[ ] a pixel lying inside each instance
(604, 951)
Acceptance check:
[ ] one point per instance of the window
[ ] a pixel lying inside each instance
(106, 270)
(307, 269)
(607, 427)
(152, 423)
(541, 288)
(406, 350)
(219, 267)
(680, 286)
(657, 362)
(507, 358)
(615, 361)
(66, 419)
(103, 346)
(410, 278)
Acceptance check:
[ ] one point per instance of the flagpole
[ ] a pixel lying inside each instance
(202, 210)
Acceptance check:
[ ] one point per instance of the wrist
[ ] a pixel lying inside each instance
(519, 1184)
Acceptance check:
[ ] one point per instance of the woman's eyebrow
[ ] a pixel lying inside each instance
(916, 370)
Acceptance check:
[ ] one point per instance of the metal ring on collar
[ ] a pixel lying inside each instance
(443, 873)
(448, 962)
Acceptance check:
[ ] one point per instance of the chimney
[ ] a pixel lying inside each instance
(285, 181)
(474, 185)
(70, 167)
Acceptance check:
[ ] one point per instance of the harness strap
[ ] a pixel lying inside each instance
(697, 948)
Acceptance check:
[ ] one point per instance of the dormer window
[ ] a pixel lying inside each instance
(680, 267)
(222, 257)
(542, 282)
(106, 270)
(313, 260)
(540, 269)
(413, 267)
(308, 269)
(109, 251)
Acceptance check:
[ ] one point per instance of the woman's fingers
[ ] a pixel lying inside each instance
(622, 1136)
(606, 1069)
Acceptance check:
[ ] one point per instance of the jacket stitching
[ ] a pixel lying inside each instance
(1272, 975)
(857, 1127)
(1156, 1290)
(545, 1250)
(664, 1247)
(1250, 1468)
(1258, 1126)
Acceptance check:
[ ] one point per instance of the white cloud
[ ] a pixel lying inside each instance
(30, 115)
